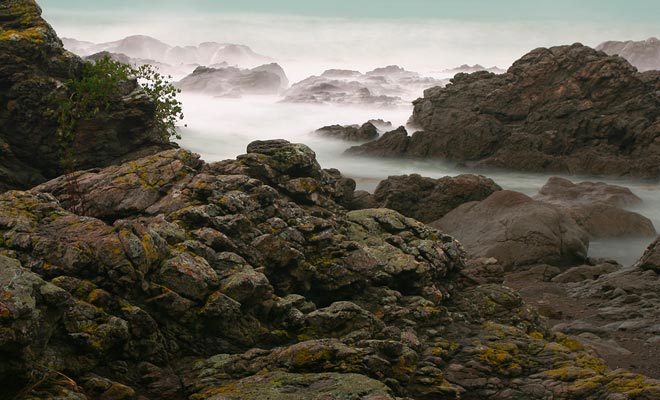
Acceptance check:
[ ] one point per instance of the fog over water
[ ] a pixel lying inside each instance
(221, 128)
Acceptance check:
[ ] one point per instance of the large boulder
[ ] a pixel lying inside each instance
(598, 207)
(428, 199)
(34, 71)
(516, 230)
(568, 109)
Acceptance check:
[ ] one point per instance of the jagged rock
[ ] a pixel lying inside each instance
(516, 230)
(391, 144)
(428, 199)
(34, 69)
(567, 109)
(651, 258)
(383, 86)
(643, 54)
(351, 133)
(598, 208)
(234, 82)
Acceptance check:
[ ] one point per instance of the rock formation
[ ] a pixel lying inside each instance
(569, 109)
(34, 71)
(516, 230)
(385, 86)
(245, 278)
(149, 48)
(234, 82)
(351, 133)
(428, 199)
(643, 54)
(598, 208)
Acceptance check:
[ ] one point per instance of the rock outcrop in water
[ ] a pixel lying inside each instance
(34, 69)
(598, 208)
(235, 82)
(643, 54)
(569, 108)
(385, 86)
(351, 133)
(516, 230)
(428, 199)
(245, 278)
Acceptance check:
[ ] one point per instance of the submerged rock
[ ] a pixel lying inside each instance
(566, 109)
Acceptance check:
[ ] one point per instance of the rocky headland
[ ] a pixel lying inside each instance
(568, 109)
(166, 277)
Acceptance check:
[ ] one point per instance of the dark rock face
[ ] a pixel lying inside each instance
(391, 144)
(569, 108)
(598, 208)
(643, 54)
(351, 133)
(385, 86)
(427, 199)
(516, 230)
(246, 279)
(34, 68)
(234, 82)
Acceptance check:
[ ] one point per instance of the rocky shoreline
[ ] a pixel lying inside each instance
(160, 276)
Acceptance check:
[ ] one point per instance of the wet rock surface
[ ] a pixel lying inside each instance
(246, 278)
(33, 75)
(568, 109)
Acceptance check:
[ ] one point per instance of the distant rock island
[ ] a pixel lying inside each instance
(235, 82)
(384, 86)
(465, 68)
(171, 60)
(643, 54)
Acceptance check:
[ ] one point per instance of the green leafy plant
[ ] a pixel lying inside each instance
(99, 89)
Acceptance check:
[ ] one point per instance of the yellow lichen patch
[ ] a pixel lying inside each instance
(629, 383)
(35, 34)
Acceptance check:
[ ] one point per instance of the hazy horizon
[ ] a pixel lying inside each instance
(306, 38)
